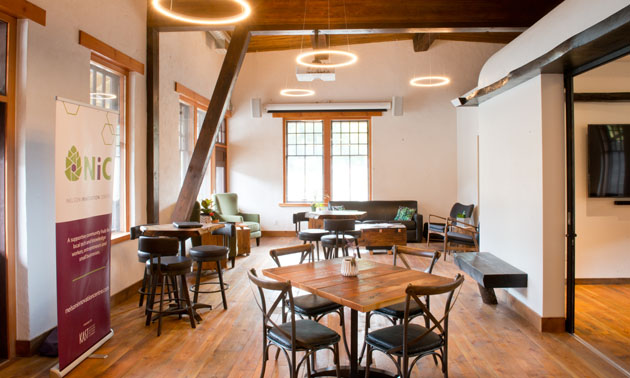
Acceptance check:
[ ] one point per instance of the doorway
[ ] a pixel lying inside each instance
(598, 192)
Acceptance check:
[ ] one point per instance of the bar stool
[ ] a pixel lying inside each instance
(309, 235)
(163, 265)
(208, 253)
(339, 238)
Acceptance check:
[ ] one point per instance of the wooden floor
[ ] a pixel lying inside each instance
(602, 318)
(485, 341)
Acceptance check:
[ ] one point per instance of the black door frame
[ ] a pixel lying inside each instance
(570, 175)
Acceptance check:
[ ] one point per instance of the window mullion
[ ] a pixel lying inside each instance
(327, 158)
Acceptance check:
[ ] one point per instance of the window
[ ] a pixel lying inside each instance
(327, 157)
(192, 112)
(107, 90)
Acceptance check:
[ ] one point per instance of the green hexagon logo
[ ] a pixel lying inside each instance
(73, 164)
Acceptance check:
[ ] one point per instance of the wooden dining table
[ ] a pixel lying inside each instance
(182, 234)
(377, 285)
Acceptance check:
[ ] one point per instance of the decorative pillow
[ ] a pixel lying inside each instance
(340, 207)
(404, 213)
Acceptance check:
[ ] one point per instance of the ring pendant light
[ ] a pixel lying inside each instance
(297, 92)
(102, 96)
(247, 10)
(429, 81)
(352, 58)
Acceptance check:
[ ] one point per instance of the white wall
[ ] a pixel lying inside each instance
(521, 199)
(413, 156)
(189, 59)
(52, 63)
(603, 229)
(467, 156)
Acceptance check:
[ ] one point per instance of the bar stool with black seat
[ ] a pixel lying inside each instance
(407, 340)
(209, 253)
(338, 237)
(310, 306)
(293, 336)
(163, 265)
(396, 312)
(308, 235)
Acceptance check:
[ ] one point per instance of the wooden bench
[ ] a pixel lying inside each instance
(490, 272)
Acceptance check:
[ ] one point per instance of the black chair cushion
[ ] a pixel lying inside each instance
(169, 264)
(398, 310)
(460, 238)
(208, 253)
(392, 337)
(144, 256)
(308, 333)
(313, 305)
(437, 227)
(312, 234)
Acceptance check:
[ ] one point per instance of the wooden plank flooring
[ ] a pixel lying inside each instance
(485, 341)
(602, 318)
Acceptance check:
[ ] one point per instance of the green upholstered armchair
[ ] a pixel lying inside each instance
(226, 206)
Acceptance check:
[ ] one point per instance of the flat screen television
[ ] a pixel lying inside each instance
(609, 160)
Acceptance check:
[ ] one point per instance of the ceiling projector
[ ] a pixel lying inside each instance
(310, 73)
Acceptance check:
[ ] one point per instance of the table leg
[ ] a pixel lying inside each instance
(354, 356)
(182, 247)
(354, 370)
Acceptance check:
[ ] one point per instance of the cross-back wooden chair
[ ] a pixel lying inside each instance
(310, 306)
(407, 340)
(294, 336)
(395, 313)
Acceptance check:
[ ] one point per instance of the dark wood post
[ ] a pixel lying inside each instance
(153, 124)
(216, 111)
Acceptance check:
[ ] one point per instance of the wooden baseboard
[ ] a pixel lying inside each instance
(28, 348)
(278, 233)
(602, 281)
(554, 325)
(125, 294)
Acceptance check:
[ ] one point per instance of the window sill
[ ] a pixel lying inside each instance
(119, 237)
(294, 204)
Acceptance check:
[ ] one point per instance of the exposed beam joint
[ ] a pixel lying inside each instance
(423, 41)
(216, 111)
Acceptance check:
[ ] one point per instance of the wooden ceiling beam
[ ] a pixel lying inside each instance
(216, 111)
(422, 41)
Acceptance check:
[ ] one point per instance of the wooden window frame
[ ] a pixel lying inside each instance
(115, 60)
(198, 101)
(326, 118)
(8, 308)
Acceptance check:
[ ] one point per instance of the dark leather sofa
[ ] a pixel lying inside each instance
(385, 212)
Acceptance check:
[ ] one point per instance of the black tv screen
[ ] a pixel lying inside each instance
(609, 160)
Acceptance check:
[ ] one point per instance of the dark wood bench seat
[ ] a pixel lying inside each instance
(490, 272)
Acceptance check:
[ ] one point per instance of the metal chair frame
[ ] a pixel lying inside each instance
(284, 295)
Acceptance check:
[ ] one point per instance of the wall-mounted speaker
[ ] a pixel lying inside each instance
(397, 106)
(256, 108)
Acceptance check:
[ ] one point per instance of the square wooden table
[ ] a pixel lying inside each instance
(377, 285)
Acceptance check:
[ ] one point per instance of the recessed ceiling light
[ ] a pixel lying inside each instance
(247, 10)
(429, 81)
(352, 58)
(102, 96)
(297, 92)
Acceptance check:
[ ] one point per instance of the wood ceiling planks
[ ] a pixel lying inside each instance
(367, 15)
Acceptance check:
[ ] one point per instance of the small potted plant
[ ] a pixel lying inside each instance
(461, 217)
(207, 214)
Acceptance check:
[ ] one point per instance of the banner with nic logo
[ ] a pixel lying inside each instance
(84, 166)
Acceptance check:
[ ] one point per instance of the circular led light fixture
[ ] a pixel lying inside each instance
(247, 10)
(102, 96)
(429, 81)
(297, 92)
(352, 58)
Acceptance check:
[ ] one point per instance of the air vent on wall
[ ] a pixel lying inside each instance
(329, 107)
